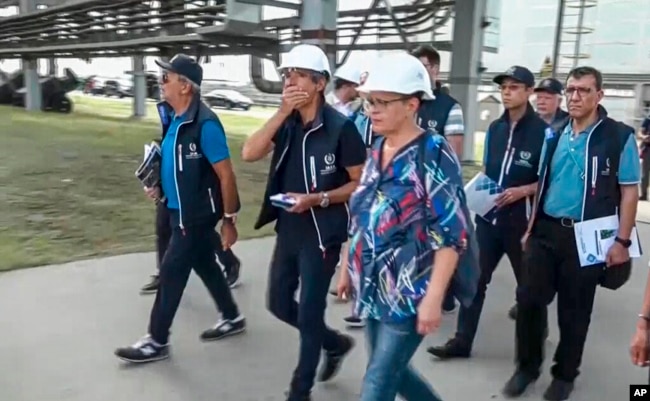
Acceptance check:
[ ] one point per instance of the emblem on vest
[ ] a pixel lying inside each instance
(193, 153)
(605, 172)
(524, 159)
(432, 124)
(330, 167)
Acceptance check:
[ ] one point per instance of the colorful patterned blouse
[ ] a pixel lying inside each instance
(398, 220)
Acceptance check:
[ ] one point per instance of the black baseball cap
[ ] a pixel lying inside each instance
(185, 65)
(550, 85)
(518, 73)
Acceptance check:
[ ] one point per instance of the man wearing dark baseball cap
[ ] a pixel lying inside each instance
(516, 73)
(199, 189)
(513, 144)
(548, 94)
(183, 65)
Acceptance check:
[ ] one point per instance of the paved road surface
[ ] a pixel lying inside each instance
(59, 326)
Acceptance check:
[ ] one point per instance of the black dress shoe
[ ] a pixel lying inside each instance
(333, 359)
(518, 384)
(558, 390)
(152, 286)
(454, 348)
(512, 313)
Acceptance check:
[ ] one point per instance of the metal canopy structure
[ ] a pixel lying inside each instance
(118, 28)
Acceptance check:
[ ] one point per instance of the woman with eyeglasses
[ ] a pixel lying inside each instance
(408, 228)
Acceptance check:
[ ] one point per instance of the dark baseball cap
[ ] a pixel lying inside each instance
(550, 85)
(518, 73)
(185, 65)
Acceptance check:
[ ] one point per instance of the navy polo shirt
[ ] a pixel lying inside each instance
(565, 194)
(213, 145)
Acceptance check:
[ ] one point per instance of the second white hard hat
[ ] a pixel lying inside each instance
(307, 57)
(398, 73)
(349, 72)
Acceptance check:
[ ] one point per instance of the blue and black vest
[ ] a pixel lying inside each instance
(433, 114)
(321, 172)
(197, 185)
(560, 120)
(605, 143)
(512, 158)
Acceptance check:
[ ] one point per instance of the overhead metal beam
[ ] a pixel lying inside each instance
(357, 34)
(273, 3)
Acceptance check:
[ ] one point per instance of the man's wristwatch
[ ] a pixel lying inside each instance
(230, 218)
(625, 242)
(324, 199)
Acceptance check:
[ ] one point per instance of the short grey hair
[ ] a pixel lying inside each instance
(195, 88)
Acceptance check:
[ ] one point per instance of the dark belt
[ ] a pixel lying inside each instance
(562, 221)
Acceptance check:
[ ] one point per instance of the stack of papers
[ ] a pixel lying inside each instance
(282, 201)
(149, 171)
(594, 238)
(482, 192)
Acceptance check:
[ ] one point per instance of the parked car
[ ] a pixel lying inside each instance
(227, 98)
(118, 87)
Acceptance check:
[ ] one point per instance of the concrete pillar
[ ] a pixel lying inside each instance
(33, 95)
(52, 68)
(139, 87)
(318, 26)
(464, 75)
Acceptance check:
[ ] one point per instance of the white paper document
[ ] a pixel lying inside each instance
(282, 201)
(481, 193)
(594, 238)
(149, 170)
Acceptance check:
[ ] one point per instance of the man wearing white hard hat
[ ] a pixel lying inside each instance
(317, 158)
(346, 80)
(409, 224)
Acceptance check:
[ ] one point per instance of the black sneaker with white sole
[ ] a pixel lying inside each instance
(152, 286)
(145, 350)
(354, 322)
(224, 328)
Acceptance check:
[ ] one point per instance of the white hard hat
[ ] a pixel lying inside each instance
(307, 57)
(398, 73)
(349, 72)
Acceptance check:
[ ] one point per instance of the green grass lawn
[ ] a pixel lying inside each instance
(67, 188)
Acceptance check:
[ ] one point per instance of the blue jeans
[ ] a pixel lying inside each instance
(389, 372)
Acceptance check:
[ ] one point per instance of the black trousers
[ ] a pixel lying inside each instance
(188, 249)
(645, 173)
(303, 262)
(494, 241)
(551, 266)
(164, 233)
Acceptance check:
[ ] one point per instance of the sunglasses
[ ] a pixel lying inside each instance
(164, 78)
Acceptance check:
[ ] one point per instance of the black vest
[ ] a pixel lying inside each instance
(320, 147)
(512, 158)
(433, 114)
(605, 143)
(198, 187)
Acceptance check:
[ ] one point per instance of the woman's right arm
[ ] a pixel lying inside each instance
(260, 143)
(447, 226)
(639, 347)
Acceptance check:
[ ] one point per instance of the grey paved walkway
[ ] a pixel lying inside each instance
(59, 326)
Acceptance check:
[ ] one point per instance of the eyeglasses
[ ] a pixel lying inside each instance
(380, 104)
(164, 78)
(582, 92)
